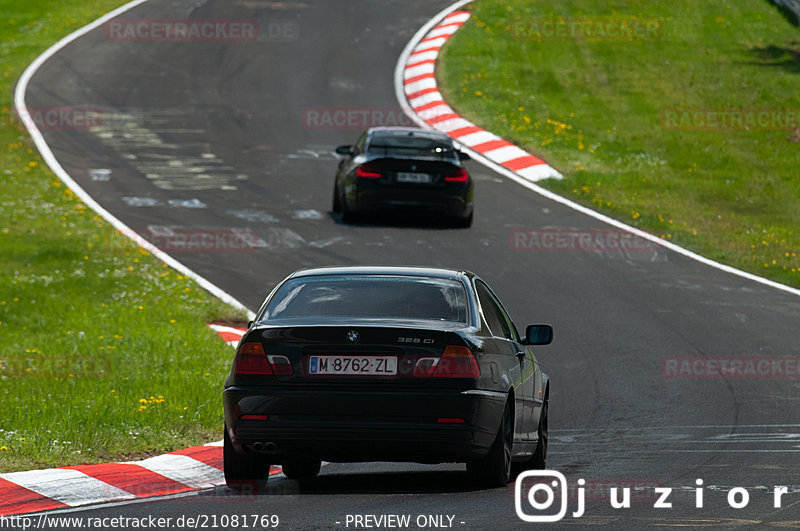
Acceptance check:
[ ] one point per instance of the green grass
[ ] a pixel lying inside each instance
(593, 109)
(104, 352)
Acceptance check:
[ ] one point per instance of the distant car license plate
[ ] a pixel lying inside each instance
(353, 365)
(406, 177)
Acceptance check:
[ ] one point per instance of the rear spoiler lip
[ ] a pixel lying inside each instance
(420, 325)
(453, 161)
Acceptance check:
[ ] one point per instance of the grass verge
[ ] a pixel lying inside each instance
(104, 352)
(643, 125)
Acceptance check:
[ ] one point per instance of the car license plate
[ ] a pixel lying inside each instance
(353, 365)
(406, 177)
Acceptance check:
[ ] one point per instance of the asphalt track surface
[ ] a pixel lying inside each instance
(173, 112)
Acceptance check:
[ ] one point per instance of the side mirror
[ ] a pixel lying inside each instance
(249, 324)
(463, 156)
(538, 334)
(344, 150)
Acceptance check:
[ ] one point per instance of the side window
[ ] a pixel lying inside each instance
(494, 314)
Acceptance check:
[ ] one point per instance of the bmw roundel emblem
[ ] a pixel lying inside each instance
(352, 336)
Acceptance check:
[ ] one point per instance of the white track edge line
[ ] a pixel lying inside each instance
(55, 166)
(400, 95)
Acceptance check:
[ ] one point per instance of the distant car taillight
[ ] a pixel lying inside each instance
(370, 172)
(251, 359)
(460, 175)
(456, 362)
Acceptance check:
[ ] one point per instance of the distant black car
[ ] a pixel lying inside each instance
(403, 168)
(384, 364)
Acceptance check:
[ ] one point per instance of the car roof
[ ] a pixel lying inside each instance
(385, 270)
(401, 131)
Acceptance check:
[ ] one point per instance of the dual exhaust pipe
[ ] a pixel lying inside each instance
(268, 447)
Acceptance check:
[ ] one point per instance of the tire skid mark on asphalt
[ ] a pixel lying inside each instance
(141, 131)
(47, 154)
(755, 439)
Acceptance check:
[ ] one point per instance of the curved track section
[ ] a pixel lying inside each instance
(41, 144)
(235, 138)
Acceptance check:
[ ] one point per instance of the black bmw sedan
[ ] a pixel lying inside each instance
(354, 364)
(404, 169)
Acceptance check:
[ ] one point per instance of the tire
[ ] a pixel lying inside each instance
(247, 472)
(337, 204)
(347, 214)
(539, 458)
(494, 470)
(301, 468)
(463, 223)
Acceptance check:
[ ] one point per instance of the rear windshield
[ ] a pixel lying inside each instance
(369, 296)
(405, 145)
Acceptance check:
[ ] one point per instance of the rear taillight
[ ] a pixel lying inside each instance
(456, 362)
(253, 417)
(251, 359)
(460, 175)
(370, 172)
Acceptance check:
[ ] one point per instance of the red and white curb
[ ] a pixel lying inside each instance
(230, 334)
(417, 95)
(423, 97)
(57, 488)
(186, 470)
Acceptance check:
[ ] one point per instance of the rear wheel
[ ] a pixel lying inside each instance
(494, 470)
(463, 223)
(539, 458)
(347, 214)
(538, 461)
(243, 472)
(337, 204)
(301, 468)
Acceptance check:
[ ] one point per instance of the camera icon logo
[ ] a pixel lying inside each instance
(547, 482)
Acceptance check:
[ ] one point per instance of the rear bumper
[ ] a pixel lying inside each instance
(345, 425)
(451, 201)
